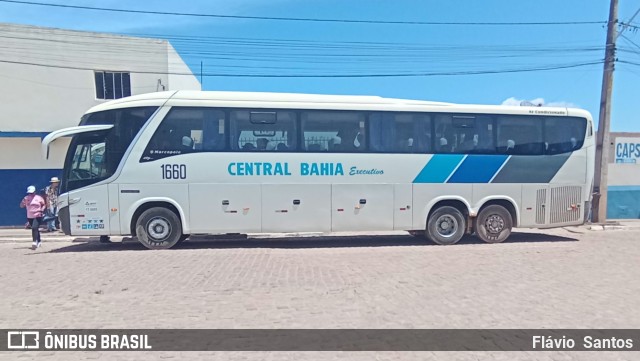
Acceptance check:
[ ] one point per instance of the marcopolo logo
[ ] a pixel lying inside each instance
(23, 340)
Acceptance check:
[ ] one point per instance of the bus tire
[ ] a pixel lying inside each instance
(158, 228)
(493, 224)
(446, 226)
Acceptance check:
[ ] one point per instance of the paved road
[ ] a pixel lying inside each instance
(542, 279)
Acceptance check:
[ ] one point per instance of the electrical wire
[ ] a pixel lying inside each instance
(388, 75)
(352, 21)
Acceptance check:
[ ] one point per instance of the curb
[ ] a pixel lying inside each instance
(607, 227)
(26, 237)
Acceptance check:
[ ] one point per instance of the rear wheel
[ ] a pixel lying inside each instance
(446, 225)
(158, 228)
(493, 224)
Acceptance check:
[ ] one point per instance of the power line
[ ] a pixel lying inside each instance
(252, 58)
(353, 21)
(200, 39)
(125, 43)
(628, 62)
(625, 26)
(633, 26)
(378, 75)
(630, 41)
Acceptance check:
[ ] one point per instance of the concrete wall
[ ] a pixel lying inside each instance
(177, 67)
(47, 83)
(624, 179)
(21, 166)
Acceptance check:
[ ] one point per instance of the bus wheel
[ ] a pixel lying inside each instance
(446, 225)
(158, 228)
(493, 224)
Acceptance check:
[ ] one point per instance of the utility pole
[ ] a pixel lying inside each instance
(599, 210)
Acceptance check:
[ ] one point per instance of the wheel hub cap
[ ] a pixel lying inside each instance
(494, 224)
(447, 226)
(159, 229)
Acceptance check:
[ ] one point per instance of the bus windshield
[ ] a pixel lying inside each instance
(95, 156)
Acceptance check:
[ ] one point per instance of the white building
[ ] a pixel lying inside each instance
(50, 77)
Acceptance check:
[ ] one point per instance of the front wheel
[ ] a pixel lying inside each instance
(493, 224)
(446, 225)
(158, 228)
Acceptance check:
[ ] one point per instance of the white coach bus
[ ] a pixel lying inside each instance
(162, 166)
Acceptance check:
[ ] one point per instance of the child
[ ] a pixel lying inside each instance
(35, 206)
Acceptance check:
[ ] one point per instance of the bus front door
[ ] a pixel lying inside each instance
(89, 211)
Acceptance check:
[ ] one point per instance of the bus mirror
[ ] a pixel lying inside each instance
(67, 132)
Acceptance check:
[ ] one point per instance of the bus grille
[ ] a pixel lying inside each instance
(566, 203)
(541, 201)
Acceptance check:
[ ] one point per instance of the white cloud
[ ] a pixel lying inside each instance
(561, 104)
(537, 102)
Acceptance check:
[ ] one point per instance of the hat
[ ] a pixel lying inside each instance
(31, 189)
(55, 180)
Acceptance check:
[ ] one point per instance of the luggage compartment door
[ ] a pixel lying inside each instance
(362, 207)
(296, 207)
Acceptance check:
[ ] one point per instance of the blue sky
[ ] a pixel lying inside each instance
(280, 47)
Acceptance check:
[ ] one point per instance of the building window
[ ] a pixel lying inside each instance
(112, 85)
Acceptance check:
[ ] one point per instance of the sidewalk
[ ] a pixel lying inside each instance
(9, 235)
(614, 224)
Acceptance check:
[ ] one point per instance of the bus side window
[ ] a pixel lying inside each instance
(450, 130)
(187, 130)
(564, 135)
(334, 131)
(262, 130)
(520, 135)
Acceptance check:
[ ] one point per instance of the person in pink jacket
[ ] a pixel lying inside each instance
(35, 205)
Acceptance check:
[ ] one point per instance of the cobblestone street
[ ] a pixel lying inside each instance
(538, 279)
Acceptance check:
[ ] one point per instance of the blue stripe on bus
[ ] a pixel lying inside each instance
(439, 168)
(478, 169)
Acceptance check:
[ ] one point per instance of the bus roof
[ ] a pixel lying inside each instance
(319, 101)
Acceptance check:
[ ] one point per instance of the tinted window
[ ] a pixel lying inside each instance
(333, 132)
(464, 134)
(519, 135)
(186, 130)
(95, 156)
(400, 133)
(564, 134)
(259, 130)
